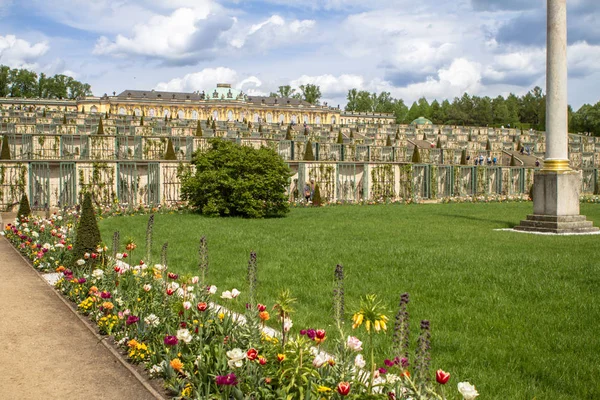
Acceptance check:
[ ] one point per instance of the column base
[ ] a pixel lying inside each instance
(557, 224)
(556, 204)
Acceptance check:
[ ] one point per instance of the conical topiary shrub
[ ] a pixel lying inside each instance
(416, 157)
(438, 145)
(388, 142)
(513, 161)
(308, 153)
(340, 138)
(142, 121)
(316, 200)
(463, 157)
(470, 137)
(44, 113)
(288, 133)
(170, 153)
(5, 153)
(64, 121)
(198, 129)
(488, 145)
(213, 126)
(100, 128)
(88, 236)
(24, 209)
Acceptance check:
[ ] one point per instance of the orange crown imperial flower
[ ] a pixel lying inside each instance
(176, 364)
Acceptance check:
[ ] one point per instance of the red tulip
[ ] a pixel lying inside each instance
(442, 377)
(343, 388)
(202, 306)
(252, 354)
(261, 307)
(262, 360)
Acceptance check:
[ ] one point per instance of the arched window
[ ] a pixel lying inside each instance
(151, 112)
(333, 120)
(242, 115)
(137, 112)
(216, 115)
(255, 118)
(305, 119)
(229, 115)
(281, 118)
(122, 111)
(181, 114)
(94, 109)
(318, 120)
(269, 118)
(294, 119)
(194, 114)
(166, 113)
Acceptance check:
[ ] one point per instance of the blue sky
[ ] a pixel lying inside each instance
(412, 49)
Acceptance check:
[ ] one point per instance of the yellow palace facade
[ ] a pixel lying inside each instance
(224, 103)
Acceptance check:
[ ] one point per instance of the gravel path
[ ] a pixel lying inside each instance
(46, 352)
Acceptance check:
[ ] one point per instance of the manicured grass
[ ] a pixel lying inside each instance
(517, 315)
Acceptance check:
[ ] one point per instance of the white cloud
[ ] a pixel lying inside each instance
(183, 37)
(270, 33)
(330, 85)
(19, 53)
(202, 80)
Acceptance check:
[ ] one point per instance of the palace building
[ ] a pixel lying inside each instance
(225, 103)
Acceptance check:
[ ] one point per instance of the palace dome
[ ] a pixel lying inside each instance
(421, 121)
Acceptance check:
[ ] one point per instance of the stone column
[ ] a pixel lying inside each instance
(557, 158)
(556, 187)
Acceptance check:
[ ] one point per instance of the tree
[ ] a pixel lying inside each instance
(4, 81)
(308, 152)
(316, 199)
(286, 91)
(463, 157)
(311, 93)
(233, 180)
(198, 129)
(352, 100)
(439, 143)
(416, 157)
(5, 152)
(64, 121)
(87, 236)
(340, 138)
(170, 153)
(288, 133)
(213, 126)
(24, 209)
(388, 141)
(100, 128)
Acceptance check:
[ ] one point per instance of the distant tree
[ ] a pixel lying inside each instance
(170, 153)
(311, 93)
(87, 236)
(198, 129)
(316, 199)
(416, 157)
(24, 209)
(463, 157)
(308, 153)
(286, 91)
(5, 152)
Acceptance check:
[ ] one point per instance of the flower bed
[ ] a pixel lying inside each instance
(168, 324)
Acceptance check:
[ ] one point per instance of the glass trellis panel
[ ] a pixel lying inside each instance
(362, 153)
(84, 144)
(67, 148)
(39, 185)
(323, 175)
(383, 181)
(463, 181)
(153, 183)
(46, 147)
(127, 184)
(67, 195)
(494, 180)
(25, 152)
(171, 186)
(588, 181)
(444, 181)
(286, 150)
(421, 181)
(347, 189)
(335, 152)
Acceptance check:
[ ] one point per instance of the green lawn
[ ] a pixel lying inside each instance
(517, 315)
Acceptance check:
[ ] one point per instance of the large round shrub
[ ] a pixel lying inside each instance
(233, 180)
